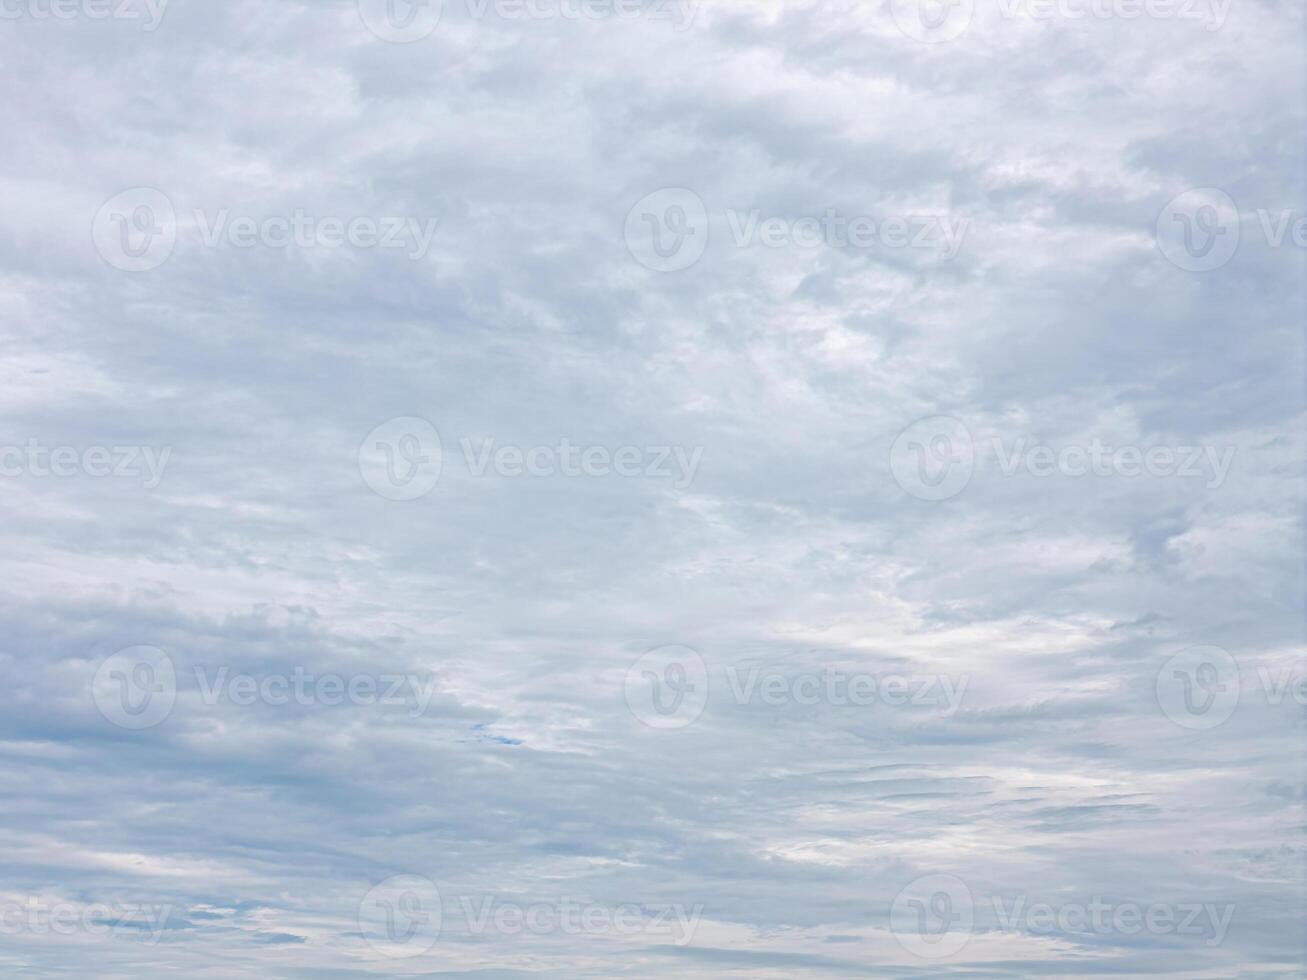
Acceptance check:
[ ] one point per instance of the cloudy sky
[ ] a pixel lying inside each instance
(652, 488)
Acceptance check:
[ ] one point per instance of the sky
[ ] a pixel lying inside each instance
(652, 488)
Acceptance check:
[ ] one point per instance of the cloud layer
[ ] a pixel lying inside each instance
(576, 489)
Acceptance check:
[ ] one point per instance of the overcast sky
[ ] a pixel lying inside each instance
(625, 488)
